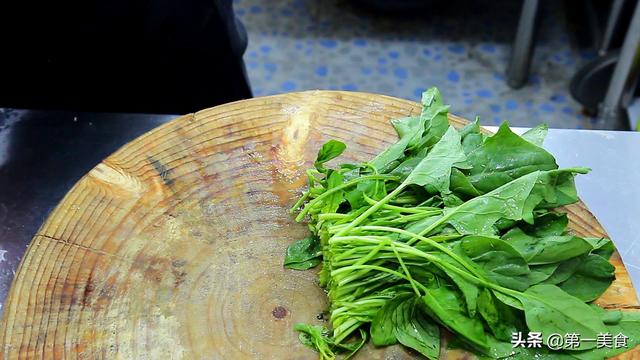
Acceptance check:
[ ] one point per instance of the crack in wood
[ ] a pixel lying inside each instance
(86, 248)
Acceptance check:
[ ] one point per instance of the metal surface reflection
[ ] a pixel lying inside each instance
(42, 154)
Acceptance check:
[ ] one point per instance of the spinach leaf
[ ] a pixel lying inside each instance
(445, 305)
(478, 215)
(546, 250)
(416, 133)
(508, 300)
(550, 223)
(435, 116)
(471, 128)
(536, 134)
(612, 317)
(409, 130)
(334, 200)
(501, 319)
(382, 326)
(540, 273)
(548, 309)
(553, 189)
(374, 189)
(628, 325)
(592, 277)
(415, 330)
(420, 225)
(410, 127)
(461, 186)
(472, 141)
(316, 337)
(451, 200)
(505, 350)
(330, 150)
(434, 170)
(504, 157)
(499, 261)
(469, 290)
(504, 224)
(303, 254)
(564, 270)
(601, 246)
(406, 167)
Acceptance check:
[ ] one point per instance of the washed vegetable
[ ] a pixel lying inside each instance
(458, 230)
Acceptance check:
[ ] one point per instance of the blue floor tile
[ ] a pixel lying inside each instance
(299, 45)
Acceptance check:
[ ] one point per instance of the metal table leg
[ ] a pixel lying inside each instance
(612, 22)
(624, 77)
(521, 53)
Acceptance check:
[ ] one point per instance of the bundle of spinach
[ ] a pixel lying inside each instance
(453, 229)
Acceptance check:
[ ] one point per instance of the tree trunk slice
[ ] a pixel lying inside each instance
(172, 247)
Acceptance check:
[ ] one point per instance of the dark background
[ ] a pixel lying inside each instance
(167, 56)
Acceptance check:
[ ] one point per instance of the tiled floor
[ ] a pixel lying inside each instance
(462, 48)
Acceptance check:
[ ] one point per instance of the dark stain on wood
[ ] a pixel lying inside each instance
(178, 263)
(279, 312)
(88, 290)
(162, 171)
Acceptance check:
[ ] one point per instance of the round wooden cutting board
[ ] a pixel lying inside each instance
(172, 247)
